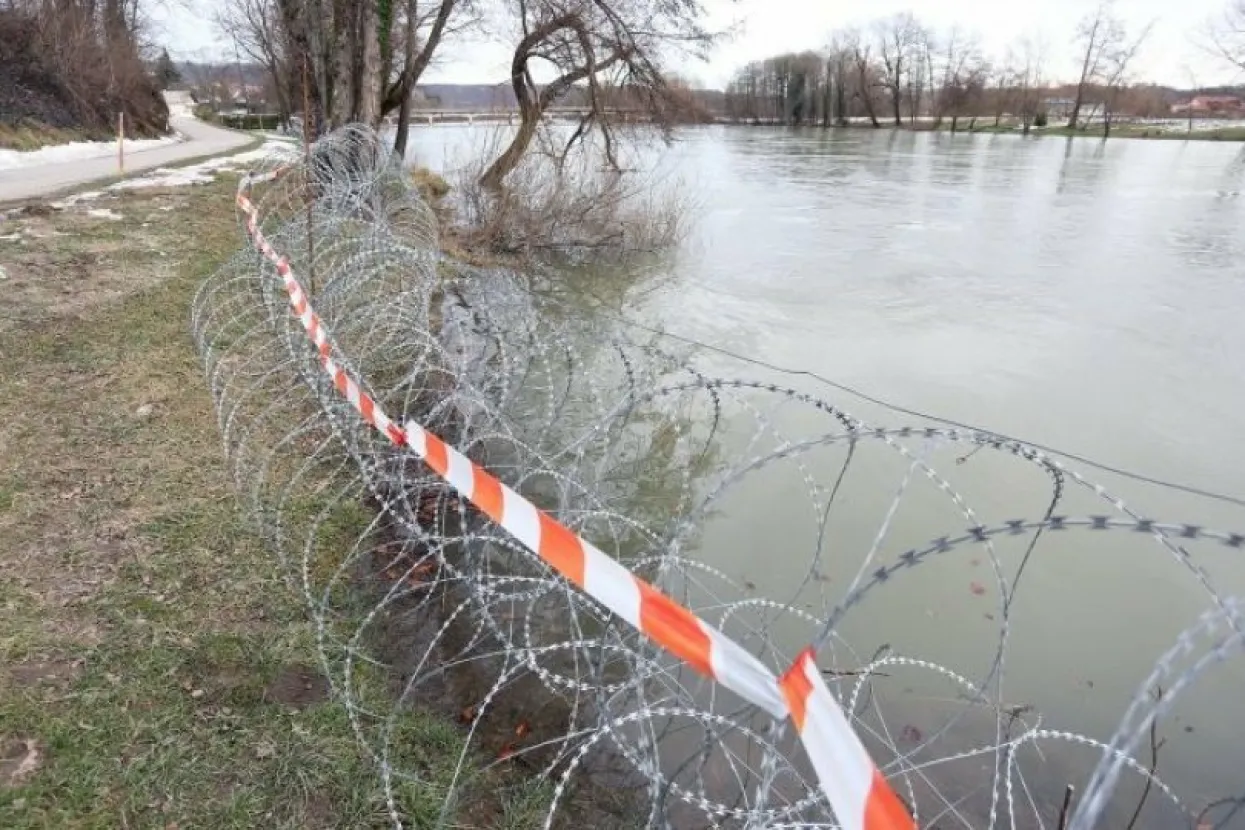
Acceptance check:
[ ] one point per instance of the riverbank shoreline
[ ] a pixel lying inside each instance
(1132, 131)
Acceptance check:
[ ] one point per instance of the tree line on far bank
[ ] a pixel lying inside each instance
(899, 71)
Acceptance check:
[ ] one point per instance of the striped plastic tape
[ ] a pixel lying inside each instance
(861, 797)
(857, 792)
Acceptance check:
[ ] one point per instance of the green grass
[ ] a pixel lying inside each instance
(146, 630)
(31, 136)
(1119, 131)
(986, 126)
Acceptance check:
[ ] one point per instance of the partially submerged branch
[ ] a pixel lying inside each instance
(562, 203)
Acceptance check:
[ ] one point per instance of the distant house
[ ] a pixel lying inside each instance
(1058, 109)
(1210, 105)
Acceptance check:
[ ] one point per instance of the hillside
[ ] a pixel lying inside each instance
(51, 93)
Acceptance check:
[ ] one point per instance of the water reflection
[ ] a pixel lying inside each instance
(1085, 294)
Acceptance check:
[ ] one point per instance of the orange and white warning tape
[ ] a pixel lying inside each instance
(858, 793)
(855, 788)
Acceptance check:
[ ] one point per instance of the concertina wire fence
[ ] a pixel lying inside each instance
(606, 670)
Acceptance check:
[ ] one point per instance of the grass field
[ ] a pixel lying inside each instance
(33, 136)
(155, 671)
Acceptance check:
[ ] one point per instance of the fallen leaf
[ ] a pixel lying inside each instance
(977, 588)
(467, 715)
(506, 753)
(522, 729)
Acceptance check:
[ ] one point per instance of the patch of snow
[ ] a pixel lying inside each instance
(70, 201)
(205, 171)
(104, 213)
(285, 138)
(76, 151)
(165, 177)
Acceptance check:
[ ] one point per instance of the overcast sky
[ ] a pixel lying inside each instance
(767, 27)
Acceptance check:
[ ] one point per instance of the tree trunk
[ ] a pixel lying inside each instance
(954, 120)
(868, 99)
(415, 61)
(304, 60)
(1080, 87)
(895, 96)
(367, 108)
(532, 105)
(342, 83)
(509, 159)
(404, 127)
(529, 108)
(283, 94)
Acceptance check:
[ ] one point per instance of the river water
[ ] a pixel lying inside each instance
(1082, 295)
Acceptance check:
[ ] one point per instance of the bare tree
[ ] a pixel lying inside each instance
(863, 71)
(963, 77)
(1116, 63)
(422, 32)
(1029, 80)
(839, 72)
(615, 44)
(255, 28)
(1225, 34)
(362, 57)
(919, 69)
(896, 37)
(1098, 34)
(1194, 86)
(1005, 75)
